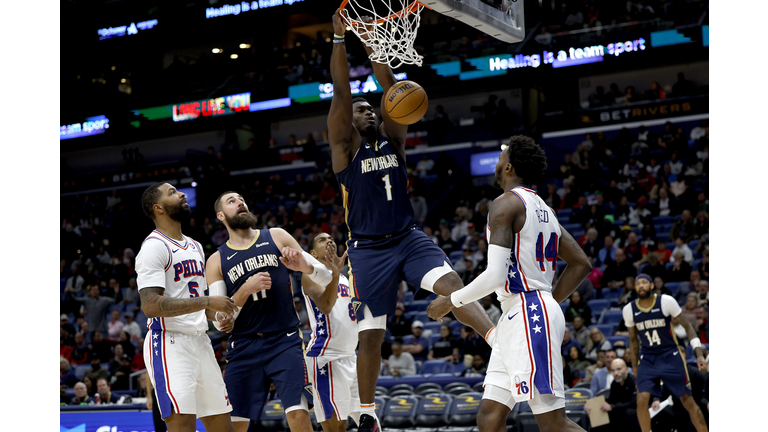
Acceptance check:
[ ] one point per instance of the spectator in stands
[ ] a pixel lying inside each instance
(587, 290)
(630, 96)
(67, 372)
(418, 347)
(592, 246)
(580, 211)
(474, 344)
(576, 359)
(419, 204)
(445, 241)
(131, 295)
(568, 342)
(702, 323)
(702, 294)
(426, 164)
(665, 203)
(688, 286)
(125, 341)
(101, 347)
(106, 397)
(398, 324)
(131, 326)
(551, 197)
(607, 255)
(544, 38)
(596, 343)
(659, 287)
(682, 248)
(400, 363)
(649, 236)
(447, 347)
(577, 307)
(115, 325)
(575, 19)
(654, 267)
(75, 282)
(704, 264)
(493, 312)
(81, 395)
(96, 371)
(120, 379)
(97, 306)
(701, 226)
(682, 87)
(634, 251)
(690, 305)
(621, 403)
(81, 353)
(662, 252)
(656, 92)
(580, 331)
(114, 362)
(477, 369)
(600, 377)
(629, 294)
(616, 272)
(640, 215)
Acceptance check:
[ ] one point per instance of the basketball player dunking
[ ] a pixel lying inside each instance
(525, 241)
(384, 246)
(265, 342)
(656, 357)
(171, 279)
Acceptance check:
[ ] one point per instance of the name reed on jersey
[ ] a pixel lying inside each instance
(252, 264)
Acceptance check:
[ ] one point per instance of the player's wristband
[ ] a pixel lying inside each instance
(695, 343)
(338, 36)
(338, 41)
(321, 275)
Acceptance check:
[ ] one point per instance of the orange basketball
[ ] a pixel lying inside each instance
(406, 102)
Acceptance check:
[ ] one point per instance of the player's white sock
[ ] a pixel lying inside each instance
(356, 417)
(369, 409)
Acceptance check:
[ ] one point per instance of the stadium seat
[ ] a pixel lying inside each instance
(385, 379)
(422, 316)
(435, 366)
(433, 338)
(696, 263)
(582, 384)
(407, 339)
(80, 370)
(433, 410)
(380, 403)
(610, 294)
(598, 305)
(607, 329)
(614, 339)
(673, 287)
(457, 391)
(573, 227)
(400, 412)
(693, 243)
(566, 212)
(662, 220)
(455, 255)
(407, 297)
(418, 306)
(272, 416)
(478, 387)
(464, 409)
(610, 316)
(434, 326)
(453, 385)
(428, 387)
(456, 327)
(459, 368)
(117, 307)
(401, 392)
(604, 392)
(382, 390)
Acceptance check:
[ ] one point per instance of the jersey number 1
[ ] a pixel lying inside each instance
(548, 253)
(388, 187)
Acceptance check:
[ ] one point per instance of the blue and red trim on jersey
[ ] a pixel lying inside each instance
(323, 383)
(170, 254)
(539, 341)
(186, 241)
(318, 343)
(165, 399)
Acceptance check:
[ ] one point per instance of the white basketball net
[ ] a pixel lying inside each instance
(390, 33)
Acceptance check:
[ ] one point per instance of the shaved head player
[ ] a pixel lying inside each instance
(384, 246)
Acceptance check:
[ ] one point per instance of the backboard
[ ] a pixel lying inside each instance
(503, 20)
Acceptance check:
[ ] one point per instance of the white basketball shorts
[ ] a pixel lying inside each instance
(526, 362)
(184, 372)
(334, 387)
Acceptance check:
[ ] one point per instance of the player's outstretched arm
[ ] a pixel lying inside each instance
(342, 134)
(325, 297)
(389, 128)
(698, 349)
(503, 213)
(155, 304)
(579, 266)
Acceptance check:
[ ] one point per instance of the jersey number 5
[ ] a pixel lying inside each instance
(193, 289)
(548, 253)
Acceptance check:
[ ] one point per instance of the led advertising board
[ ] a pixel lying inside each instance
(91, 126)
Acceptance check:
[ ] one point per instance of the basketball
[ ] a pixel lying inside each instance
(406, 102)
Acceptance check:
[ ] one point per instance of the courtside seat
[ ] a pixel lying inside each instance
(453, 385)
(272, 416)
(428, 387)
(401, 392)
(380, 402)
(614, 339)
(478, 387)
(433, 410)
(381, 389)
(400, 412)
(464, 409)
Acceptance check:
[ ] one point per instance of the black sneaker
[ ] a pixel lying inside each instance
(368, 424)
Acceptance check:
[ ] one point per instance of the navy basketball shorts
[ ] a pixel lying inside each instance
(668, 367)
(376, 268)
(253, 362)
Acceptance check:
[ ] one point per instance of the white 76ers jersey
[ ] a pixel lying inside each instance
(533, 261)
(179, 268)
(335, 335)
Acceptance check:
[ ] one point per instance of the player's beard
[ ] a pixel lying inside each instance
(647, 294)
(241, 221)
(178, 212)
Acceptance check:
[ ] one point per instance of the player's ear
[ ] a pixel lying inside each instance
(220, 216)
(158, 208)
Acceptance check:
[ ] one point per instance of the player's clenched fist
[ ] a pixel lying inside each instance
(439, 308)
(259, 282)
(222, 304)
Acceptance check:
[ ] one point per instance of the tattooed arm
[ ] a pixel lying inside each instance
(155, 304)
(579, 266)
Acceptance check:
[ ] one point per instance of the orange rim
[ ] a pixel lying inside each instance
(408, 10)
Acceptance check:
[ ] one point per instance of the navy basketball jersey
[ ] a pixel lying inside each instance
(273, 309)
(374, 190)
(654, 326)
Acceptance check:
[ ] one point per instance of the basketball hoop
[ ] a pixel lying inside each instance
(391, 30)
